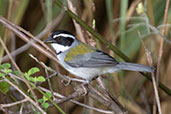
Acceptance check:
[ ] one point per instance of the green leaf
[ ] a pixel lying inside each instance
(4, 87)
(16, 72)
(27, 75)
(6, 65)
(2, 74)
(33, 70)
(40, 100)
(1, 67)
(33, 79)
(45, 105)
(41, 79)
(8, 71)
(47, 96)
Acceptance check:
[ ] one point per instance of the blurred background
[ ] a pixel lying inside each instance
(122, 22)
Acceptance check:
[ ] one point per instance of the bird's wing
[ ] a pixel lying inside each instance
(91, 60)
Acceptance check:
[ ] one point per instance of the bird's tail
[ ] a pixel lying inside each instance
(135, 67)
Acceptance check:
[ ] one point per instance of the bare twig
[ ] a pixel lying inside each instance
(16, 66)
(61, 96)
(47, 29)
(78, 103)
(149, 58)
(77, 26)
(111, 103)
(14, 28)
(13, 104)
(77, 93)
(21, 109)
(28, 98)
(161, 49)
(162, 41)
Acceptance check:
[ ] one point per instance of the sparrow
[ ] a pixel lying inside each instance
(85, 61)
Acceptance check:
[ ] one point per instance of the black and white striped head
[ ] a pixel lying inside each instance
(61, 40)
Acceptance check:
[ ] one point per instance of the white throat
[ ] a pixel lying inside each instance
(59, 48)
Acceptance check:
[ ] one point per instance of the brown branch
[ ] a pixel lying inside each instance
(77, 26)
(28, 98)
(16, 66)
(161, 51)
(112, 103)
(12, 104)
(24, 37)
(150, 61)
(78, 103)
(61, 96)
(47, 29)
(162, 41)
(77, 93)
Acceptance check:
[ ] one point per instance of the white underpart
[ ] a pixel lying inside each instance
(59, 48)
(64, 35)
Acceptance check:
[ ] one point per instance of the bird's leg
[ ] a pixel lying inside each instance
(68, 81)
(86, 83)
(83, 86)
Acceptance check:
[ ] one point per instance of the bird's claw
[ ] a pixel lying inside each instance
(66, 82)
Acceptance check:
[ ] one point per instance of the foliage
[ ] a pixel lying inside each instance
(34, 79)
(4, 86)
(44, 100)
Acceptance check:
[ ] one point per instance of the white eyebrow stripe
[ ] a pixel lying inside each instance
(64, 35)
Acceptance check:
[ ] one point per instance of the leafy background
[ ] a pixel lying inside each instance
(118, 22)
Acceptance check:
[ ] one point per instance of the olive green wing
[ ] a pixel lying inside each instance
(92, 60)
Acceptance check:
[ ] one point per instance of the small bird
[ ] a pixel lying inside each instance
(85, 61)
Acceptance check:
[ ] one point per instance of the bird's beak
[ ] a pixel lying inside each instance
(48, 40)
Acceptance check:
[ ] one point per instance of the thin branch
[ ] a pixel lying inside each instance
(78, 103)
(14, 27)
(16, 66)
(21, 109)
(161, 52)
(13, 104)
(149, 58)
(28, 98)
(47, 29)
(77, 93)
(61, 96)
(161, 42)
(77, 26)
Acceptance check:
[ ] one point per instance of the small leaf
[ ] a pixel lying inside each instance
(5, 70)
(41, 79)
(4, 87)
(6, 65)
(33, 70)
(16, 72)
(45, 105)
(40, 100)
(2, 74)
(27, 75)
(47, 96)
(33, 79)
(1, 67)
(9, 71)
